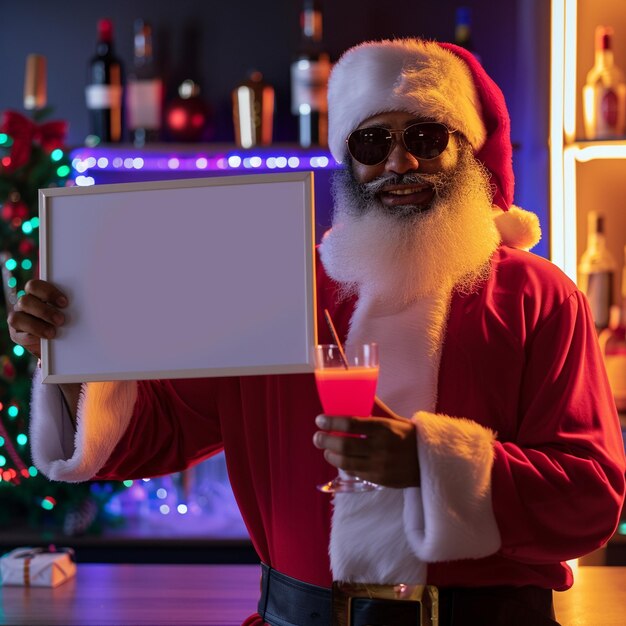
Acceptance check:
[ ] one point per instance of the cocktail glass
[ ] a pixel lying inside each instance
(346, 384)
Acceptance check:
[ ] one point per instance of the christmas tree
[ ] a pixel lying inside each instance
(32, 156)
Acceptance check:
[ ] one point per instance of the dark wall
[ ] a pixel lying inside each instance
(217, 42)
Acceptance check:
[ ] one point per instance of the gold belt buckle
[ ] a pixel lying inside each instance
(344, 593)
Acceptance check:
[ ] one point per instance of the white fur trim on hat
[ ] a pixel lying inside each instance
(411, 75)
(104, 412)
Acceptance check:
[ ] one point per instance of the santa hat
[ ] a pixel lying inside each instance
(436, 81)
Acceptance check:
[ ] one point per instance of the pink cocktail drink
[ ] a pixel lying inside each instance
(347, 391)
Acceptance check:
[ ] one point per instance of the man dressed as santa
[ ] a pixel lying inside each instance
(501, 455)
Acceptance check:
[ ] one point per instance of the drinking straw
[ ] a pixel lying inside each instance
(333, 331)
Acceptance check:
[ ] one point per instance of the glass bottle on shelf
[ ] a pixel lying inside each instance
(613, 345)
(105, 88)
(596, 270)
(144, 90)
(35, 91)
(253, 111)
(309, 79)
(604, 93)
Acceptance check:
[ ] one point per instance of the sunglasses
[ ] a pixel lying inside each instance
(424, 140)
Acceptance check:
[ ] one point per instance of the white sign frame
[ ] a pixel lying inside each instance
(250, 237)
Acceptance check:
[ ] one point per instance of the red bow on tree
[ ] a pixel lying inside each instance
(25, 132)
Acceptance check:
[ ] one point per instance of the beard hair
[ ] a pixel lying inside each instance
(398, 254)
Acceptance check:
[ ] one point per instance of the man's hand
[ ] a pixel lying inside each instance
(379, 449)
(37, 315)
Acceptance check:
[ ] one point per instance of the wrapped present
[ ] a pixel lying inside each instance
(37, 567)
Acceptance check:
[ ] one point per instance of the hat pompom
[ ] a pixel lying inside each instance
(518, 228)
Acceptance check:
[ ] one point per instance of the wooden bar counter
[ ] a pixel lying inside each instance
(224, 595)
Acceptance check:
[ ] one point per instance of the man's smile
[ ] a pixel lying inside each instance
(400, 195)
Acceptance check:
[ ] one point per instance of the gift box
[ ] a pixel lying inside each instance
(37, 567)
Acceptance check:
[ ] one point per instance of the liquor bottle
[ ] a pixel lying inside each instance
(463, 30)
(144, 90)
(596, 270)
(253, 111)
(604, 93)
(105, 88)
(35, 89)
(613, 344)
(309, 79)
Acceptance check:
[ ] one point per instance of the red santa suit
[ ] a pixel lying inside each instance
(521, 459)
(519, 446)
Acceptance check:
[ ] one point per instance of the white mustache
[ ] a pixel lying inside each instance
(438, 180)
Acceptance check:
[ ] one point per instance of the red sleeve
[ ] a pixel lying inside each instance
(174, 425)
(558, 489)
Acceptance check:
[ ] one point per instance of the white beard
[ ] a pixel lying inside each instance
(396, 257)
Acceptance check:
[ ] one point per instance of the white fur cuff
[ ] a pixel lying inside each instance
(104, 411)
(451, 517)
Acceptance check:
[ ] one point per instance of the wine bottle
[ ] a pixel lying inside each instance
(613, 344)
(309, 79)
(604, 93)
(144, 90)
(105, 88)
(596, 270)
(463, 30)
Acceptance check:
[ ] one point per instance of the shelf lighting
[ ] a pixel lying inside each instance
(563, 97)
(600, 151)
(88, 162)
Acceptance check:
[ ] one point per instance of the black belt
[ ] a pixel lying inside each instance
(286, 601)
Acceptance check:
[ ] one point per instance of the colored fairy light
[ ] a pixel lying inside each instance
(20, 293)
(293, 162)
(21, 439)
(32, 470)
(11, 264)
(281, 162)
(48, 503)
(27, 264)
(85, 181)
(234, 160)
(6, 161)
(182, 509)
(161, 493)
(17, 351)
(1, 441)
(103, 163)
(3, 461)
(35, 222)
(13, 411)
(202, 163)
(173, 163)
(79, 165)
(118, 162)
(56, 155)
(63, 171)
(164, 509)
(12, 282)
(621, 529)
(271, 163)
(129, 163)
(27, 228)
(256, 161)
(4, 138)
(127, 483)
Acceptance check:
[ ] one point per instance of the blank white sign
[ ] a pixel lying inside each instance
(186, 278)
